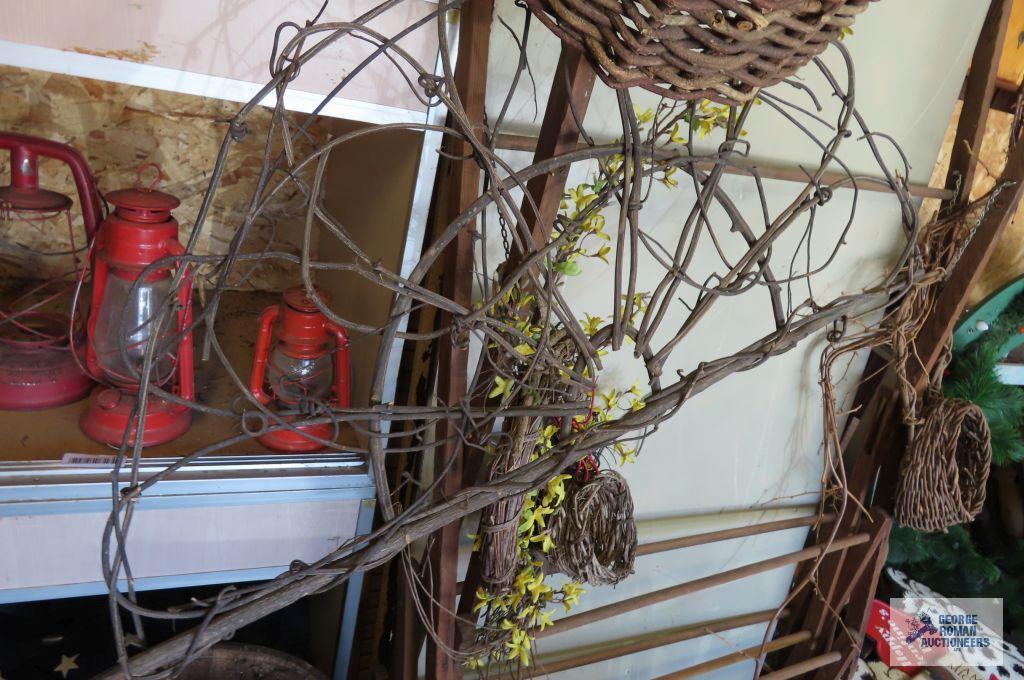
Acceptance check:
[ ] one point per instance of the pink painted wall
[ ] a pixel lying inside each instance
(226, 38)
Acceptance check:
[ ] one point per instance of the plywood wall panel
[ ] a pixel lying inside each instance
(119, 127)
(372, 180)
(1011, 61)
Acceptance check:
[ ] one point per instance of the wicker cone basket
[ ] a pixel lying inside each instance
(723, 50)
(945, 469)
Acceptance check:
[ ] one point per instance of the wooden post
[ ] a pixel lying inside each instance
(978, 91)
(953, 297)
(559, 133)
(463, 188)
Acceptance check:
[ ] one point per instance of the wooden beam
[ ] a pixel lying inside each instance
(978, 92)
(837, 579)
(463, 188)
(568, 98)
(559, 133)
(765, 170)
(952, 299)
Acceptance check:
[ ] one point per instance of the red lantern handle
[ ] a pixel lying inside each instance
(186, 357)
(262, 353)
(28, 147)
(100, 274)
(138, 176)
(342, 389)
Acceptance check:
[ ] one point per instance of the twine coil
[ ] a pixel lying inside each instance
(724, 50)
(594, 531)
(943, 474)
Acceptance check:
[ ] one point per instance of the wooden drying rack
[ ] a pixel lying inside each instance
(821, 632)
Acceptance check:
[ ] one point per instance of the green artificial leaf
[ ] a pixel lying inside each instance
(569, 268)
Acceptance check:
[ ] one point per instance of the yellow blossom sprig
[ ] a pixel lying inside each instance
(511, 616)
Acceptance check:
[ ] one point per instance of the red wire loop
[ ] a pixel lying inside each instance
(156, 180)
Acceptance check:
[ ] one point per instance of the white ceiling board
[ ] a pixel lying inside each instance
(228, 43)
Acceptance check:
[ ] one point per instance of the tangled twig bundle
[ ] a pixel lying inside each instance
(723, 50)
(594, 531)
(943, 474)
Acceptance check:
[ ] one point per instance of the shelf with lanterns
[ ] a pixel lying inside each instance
(69, 380)
(72, 351)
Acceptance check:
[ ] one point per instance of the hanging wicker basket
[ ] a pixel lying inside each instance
(944, 472)
(594, 531)
(723, 50)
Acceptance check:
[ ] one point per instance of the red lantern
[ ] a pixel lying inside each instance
(138, 233)
(38, 366)
(309, 364)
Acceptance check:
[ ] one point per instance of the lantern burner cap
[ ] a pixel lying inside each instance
(149, 200)
(33, 199)
(296, 298)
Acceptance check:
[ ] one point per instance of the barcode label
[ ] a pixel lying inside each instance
(87, 460)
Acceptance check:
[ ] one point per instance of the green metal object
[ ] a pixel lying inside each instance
(984, 316)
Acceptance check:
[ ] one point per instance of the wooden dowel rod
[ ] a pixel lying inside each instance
(726, 534)
(521, 143)
(614, 650)
(748, 654)
(681, 589)
(807, 666)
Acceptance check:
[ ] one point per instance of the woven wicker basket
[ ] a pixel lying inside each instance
(723, 50)
(944, 472)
